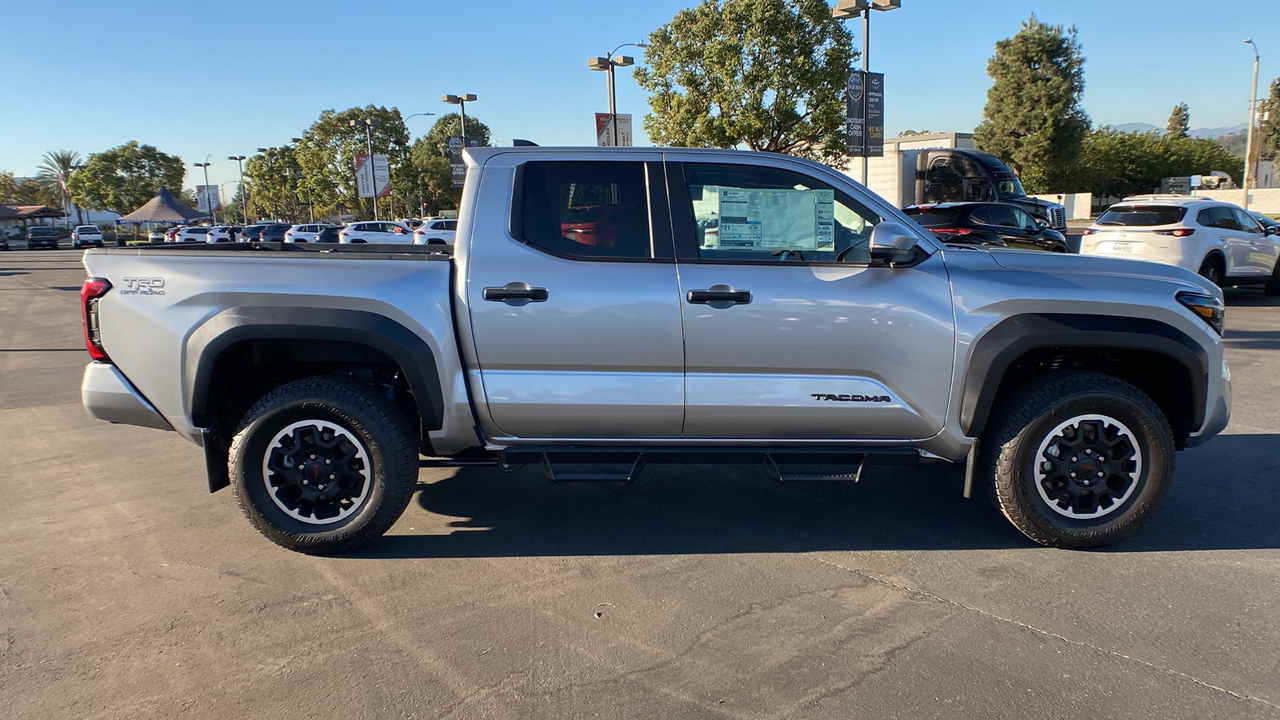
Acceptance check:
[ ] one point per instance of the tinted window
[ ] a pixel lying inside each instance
(982, 216)
(1217, 217)
(1142, 215)
(450, 224)
(1023, 220)
(585, 209)
(758, 214)
(934, 217)
(1246, 223)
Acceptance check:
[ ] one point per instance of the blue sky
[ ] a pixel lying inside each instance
(219, 79)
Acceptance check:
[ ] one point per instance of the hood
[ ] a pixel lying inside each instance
(1063, 264)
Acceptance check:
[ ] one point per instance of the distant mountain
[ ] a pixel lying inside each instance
(1197, 133)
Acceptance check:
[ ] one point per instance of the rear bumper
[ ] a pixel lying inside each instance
(108, 395)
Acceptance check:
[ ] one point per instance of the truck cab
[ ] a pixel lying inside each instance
(957, 175)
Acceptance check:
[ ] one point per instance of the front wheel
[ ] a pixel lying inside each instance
(323, 465)
(1078, 459)
(1212, 271)
(1273, 283)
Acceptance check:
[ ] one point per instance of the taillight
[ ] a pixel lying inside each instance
(951, 231)
(90, 294)
(1176, 232)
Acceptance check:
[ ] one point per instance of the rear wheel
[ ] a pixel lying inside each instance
(1212, 270)
(1078, 459)
(323, 465)
(1273, 283)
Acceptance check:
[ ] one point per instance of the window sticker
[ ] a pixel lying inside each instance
(768, 220)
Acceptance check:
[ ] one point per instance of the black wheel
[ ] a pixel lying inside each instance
(1273, 283)
(323, 465)
(1212, 270)
(1078, 459)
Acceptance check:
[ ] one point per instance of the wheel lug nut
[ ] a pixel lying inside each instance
(1074, 458)
(313, 457)
(304, 482)
(1073, 474)
(1086, 452)
(332, 476)
(328, 462)
(1101, 474)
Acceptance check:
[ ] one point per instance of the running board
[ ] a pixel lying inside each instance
(777, 473)
(626, 478)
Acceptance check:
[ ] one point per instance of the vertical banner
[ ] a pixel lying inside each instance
(382, 175)
(364, 176)
(207, 199)
(873, 123)
(605, 129)
(457, 166)
(855, 116)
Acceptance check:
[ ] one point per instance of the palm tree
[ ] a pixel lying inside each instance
(53, 175)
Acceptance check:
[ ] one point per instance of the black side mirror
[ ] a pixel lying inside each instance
(1272, 230)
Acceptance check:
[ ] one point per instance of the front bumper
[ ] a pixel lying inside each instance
(108, 395)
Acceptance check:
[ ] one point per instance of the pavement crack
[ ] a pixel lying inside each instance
(1049, 634)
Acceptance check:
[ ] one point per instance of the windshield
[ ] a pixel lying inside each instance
(1010, 187)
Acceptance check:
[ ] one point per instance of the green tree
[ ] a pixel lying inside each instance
(1269, 129)
(52, 176)
(272, 180)
(1033, 119)
(327, 155)
(1179, 122)
(430, 178)
(123, 178)
(1114, 163)
(18, 191)
(765, 74)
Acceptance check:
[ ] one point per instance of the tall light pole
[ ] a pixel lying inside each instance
(849, 9)
(1253, 113)
(244, 199)
(207, 199)
(607, 64)
(77, 167)
(368, 138)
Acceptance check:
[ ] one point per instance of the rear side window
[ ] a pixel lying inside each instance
(1142, 215)
(1218, 217)
(937, 217)
(591, 210)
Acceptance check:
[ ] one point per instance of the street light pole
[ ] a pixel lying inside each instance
(461, 101)
(244, 200)
(1253, 113)
(207, 200)
(607, 63)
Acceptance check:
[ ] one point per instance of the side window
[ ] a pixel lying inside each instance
(1024, 220)
(982, 216)
(591, 210)
(759, 214)
(1217, 217)
(1246, 223)
(450, 224)
(1003, 216)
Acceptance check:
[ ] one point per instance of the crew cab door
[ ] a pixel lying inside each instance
(790, 330)
(572, 300)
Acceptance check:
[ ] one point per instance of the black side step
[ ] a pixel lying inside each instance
(774, 466)
(625, 477)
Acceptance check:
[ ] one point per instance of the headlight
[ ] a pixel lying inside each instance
(1209, 308)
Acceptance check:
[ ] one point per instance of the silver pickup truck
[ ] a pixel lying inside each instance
(607, 308)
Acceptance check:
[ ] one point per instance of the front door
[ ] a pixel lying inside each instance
(790, 331)
(573, 299)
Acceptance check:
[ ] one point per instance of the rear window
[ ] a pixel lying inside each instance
(41, 231)
(1142, 215)
(935, 217)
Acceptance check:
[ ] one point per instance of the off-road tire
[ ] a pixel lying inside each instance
(1026, 436)
(371, 447)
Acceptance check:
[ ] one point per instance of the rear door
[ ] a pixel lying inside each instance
(574, 340)
(790, 331)
(1262, 252)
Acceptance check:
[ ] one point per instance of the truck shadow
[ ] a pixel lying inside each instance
(1224, 497)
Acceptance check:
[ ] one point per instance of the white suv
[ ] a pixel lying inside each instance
(436, 231)
(1216, 239)
(376, 232)
(304, 233)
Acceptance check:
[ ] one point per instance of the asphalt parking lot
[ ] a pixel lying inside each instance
(126, 590)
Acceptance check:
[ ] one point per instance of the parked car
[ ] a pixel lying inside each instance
(191, 234)
(329, 234)
(273, 232)
(1219, 240)
(1060, 386)
(304, 233)
(223, 233)
(156, 236)
(171, 235)
(1266, 221)
(435, 231)
(411, 223)
(251, 233)
(988, 223)
(383, 231)
(86, 236)
(42, 236)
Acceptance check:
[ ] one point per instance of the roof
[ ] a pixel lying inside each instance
(29, 212)
(1168, 199)
(161, 208)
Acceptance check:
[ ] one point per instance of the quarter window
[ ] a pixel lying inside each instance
(758, 214)
(589, 210)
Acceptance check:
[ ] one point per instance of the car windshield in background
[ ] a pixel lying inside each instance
(1142, 215)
